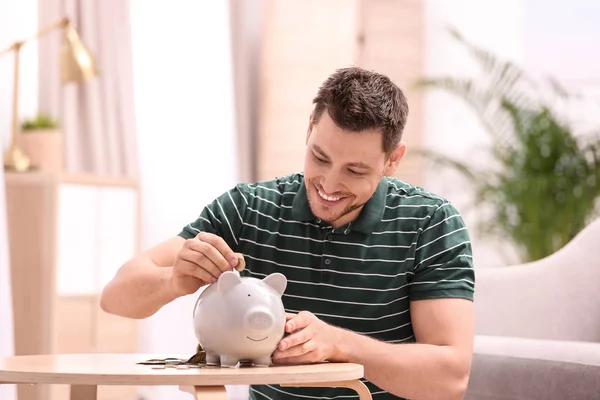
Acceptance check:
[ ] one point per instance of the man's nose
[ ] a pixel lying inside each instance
(331, 182)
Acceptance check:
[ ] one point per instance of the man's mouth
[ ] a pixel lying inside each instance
(257, 340)
(327, 197)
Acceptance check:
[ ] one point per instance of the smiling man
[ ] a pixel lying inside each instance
(379, 271)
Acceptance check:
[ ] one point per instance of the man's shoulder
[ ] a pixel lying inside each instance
(280, 184)
(276, 190)
(408, 204)
(400, 192)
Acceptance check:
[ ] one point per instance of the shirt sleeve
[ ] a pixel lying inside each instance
(223, 217)
(443, 258)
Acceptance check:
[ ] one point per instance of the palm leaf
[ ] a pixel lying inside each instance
(545, 183)
(440, 160)
(504, 82)
(476, 97)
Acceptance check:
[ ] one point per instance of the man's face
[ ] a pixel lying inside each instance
(343, 169)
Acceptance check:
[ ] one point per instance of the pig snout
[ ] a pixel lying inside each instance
(260, 320)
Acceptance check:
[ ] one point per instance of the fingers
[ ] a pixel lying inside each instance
(296, 339)
(207, 255)
(306, 358)
(303, 349)
(221, 247)
(289, 316)
(187, 267)
(306, 342)
(299, 321)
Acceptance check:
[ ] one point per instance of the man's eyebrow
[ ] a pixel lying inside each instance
(356, 164)
(359, 164)
(319, 150)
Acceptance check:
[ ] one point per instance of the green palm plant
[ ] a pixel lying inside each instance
(545, 183)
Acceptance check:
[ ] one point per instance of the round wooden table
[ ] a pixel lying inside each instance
(84, 372)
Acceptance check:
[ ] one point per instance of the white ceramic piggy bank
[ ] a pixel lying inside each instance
(240, 319)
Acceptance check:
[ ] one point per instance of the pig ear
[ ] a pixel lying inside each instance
(227, 280)
(277, 281)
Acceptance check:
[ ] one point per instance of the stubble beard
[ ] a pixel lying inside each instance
(316, 208)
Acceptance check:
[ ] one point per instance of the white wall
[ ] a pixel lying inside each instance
(18, 20)
(562, 39)
(184, 110)
(450, 126)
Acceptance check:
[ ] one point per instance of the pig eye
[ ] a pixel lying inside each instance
(248, 294)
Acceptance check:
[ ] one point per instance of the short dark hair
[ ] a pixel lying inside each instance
(358, 99)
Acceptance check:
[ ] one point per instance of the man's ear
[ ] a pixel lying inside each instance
(394, 159)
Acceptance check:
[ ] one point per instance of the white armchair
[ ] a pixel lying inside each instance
(538, 326)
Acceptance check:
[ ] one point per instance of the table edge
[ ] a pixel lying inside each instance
(186, 378)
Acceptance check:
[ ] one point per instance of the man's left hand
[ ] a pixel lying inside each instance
(310, 340)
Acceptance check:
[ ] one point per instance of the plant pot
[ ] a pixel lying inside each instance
(45, 148)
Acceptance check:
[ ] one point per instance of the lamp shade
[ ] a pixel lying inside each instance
(76, 62)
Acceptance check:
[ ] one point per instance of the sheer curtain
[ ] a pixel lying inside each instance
(97, 116)
(17, 21)
(7, 392)
(246, 18)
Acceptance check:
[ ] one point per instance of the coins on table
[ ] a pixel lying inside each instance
(198, 360)
(178, 366)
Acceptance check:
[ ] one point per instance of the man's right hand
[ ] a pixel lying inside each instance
(200, 261)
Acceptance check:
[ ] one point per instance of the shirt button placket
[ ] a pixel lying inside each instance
(327, 249)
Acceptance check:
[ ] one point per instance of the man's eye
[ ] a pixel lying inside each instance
(355, 172)
(318, 158)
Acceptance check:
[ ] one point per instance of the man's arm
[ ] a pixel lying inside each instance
(144, 284)
(436, 367)
(441, 291)
(441, 296)
(141, 286)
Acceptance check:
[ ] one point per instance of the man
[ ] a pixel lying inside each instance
(379, 271)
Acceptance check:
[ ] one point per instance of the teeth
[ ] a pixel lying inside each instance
(329, 198)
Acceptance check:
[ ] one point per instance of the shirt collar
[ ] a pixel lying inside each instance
(372, 212)
(370, 215)
(300, 207)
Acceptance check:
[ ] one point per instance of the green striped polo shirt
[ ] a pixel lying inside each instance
(406, 244)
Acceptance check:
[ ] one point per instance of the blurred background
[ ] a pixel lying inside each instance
(191, 97)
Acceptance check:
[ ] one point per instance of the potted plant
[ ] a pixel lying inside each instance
(544, 186)
(42, 140)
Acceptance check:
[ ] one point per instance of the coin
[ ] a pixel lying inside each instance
(241, 264)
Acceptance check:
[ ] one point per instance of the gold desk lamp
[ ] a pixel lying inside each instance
(76, 65)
